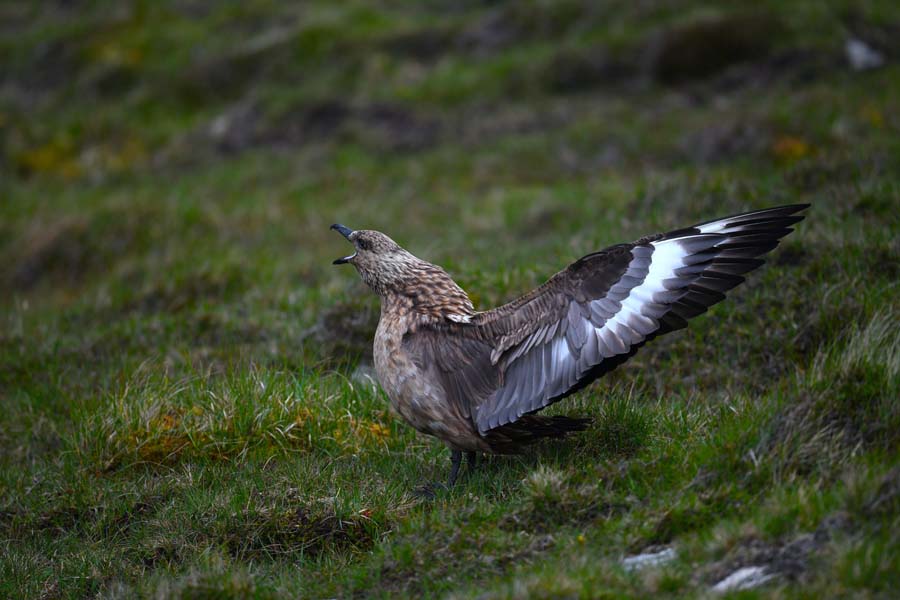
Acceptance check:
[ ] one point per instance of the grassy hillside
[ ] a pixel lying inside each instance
(186, 405)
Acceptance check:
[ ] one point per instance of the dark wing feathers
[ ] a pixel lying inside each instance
(594, 315)
(540, 312)
(460, 363)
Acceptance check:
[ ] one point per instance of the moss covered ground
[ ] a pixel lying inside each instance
(186, 410)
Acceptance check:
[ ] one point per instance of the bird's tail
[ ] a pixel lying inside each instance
(511, 438)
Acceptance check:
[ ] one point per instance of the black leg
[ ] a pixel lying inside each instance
(455, 460)
(428, 490)
(471, 460)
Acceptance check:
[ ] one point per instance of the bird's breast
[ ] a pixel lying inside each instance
(415, 393)
(395, 369)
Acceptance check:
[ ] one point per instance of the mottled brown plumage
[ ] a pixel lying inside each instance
(474, 379)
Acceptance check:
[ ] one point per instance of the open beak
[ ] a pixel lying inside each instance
(344, 231)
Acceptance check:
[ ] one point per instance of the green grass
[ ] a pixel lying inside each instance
(184, 412)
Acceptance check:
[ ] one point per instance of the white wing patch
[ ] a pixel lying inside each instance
(669, 272)
(543, 366)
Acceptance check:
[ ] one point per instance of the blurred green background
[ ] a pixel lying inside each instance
(168, 173)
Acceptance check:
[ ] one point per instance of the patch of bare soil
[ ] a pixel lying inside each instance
(705, 47)
(790, 558)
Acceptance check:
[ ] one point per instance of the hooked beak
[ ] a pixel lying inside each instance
(344, 231)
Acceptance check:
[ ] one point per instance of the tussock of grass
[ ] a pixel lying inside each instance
(622, 425)
(162, 421)
(848, 403)
(552, 500)
(870, 353)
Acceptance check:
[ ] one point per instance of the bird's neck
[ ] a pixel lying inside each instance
(427, 290)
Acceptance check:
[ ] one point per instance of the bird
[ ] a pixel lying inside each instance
(477, 379)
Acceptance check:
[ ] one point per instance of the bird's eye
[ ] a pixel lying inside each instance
(363, 244)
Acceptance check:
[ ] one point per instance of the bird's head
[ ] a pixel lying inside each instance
(382, 264)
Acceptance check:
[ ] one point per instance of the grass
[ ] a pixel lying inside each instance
(187, 410)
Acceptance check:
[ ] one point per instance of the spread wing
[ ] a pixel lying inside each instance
(593, 316)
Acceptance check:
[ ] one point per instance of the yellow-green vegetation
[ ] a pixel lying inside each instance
(186, 410)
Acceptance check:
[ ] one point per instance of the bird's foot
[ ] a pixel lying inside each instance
(429, 490)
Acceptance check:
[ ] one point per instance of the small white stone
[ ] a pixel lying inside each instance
(862, 56)
(649, 559)
(743, 579)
